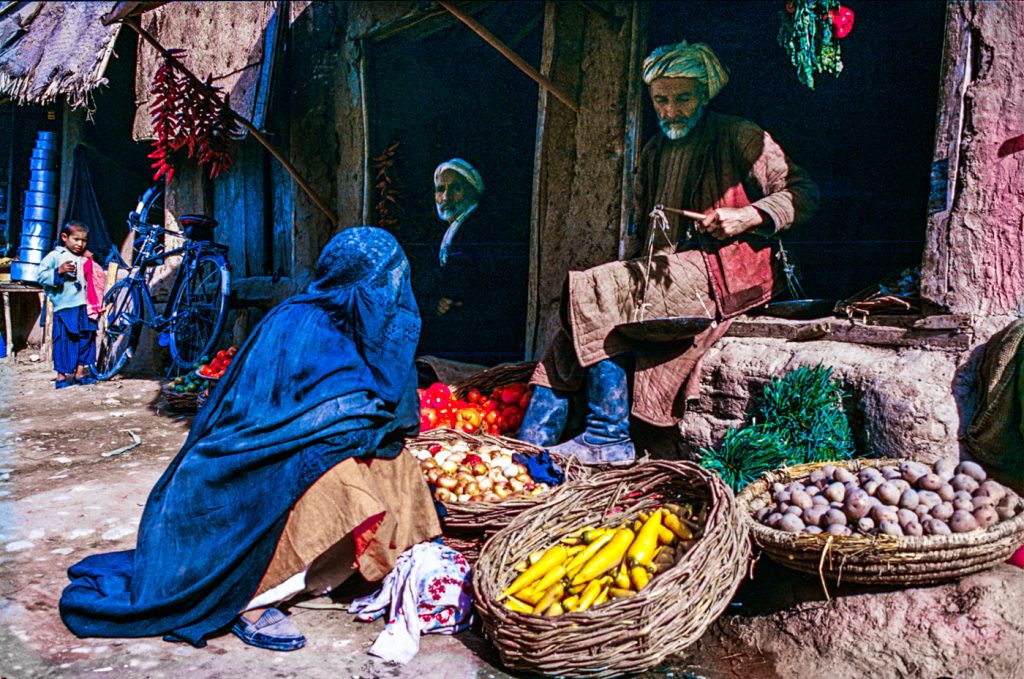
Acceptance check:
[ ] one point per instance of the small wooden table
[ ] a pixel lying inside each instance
(6, 289)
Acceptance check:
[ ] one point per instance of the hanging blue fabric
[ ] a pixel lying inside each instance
(327, 375)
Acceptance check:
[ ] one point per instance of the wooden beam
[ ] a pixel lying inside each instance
(907, 332)
(134, 24)
(509, 54)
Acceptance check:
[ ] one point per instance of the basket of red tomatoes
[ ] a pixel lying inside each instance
(214, 370)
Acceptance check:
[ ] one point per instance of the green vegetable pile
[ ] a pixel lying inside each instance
(800, 420)
(809, 39)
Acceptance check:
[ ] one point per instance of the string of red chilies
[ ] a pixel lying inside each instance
(188, 117)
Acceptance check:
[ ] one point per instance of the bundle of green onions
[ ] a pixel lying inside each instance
(801, 419)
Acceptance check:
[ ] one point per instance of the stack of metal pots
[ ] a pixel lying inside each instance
(37, 223)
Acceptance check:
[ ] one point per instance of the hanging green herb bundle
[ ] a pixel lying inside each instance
(810, 38)
(801, 419)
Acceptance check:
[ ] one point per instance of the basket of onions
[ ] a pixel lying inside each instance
(477, 480)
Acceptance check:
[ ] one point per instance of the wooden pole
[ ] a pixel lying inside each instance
(509, 54)
(9, 334)
(134, 24)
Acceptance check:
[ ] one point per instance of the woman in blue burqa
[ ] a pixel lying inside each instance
(293, 476)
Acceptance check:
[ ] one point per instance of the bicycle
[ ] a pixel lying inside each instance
(196, 308)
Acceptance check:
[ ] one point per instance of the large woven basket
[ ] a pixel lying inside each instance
(490, 379)
(179, 402)
(623, 635)
(880, 559)
(473, 518)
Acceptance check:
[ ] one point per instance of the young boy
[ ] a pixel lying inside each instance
(62, 275)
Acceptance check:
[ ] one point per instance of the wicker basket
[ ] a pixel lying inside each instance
(180, 402)
(623, 635)
(880, 559)
(490, 379)
(473, 518)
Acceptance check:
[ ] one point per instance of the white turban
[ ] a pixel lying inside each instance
(464, 169)
(683, 60)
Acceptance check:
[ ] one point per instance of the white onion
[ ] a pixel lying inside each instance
(441, 456)
(449, 466)
(464, 498)
(484, 483)
(511, 471)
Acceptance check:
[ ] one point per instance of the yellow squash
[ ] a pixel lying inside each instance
(589, 595)
(641, 552)
(550, 578)
(640, 577)
(606, 559)
(622, 577)
(514, 604)
(552, 558)
(674, 524)
(577, 562)
(555, 610)
(553, 596)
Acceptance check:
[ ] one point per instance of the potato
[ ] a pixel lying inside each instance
(868, 473)
(905, 516)
(857, 504)
(992, 489)
(817, 476)
(985, 516)
(965, 483)
(871, 486)
(866, 525)
(946, 492)
(966, 505)
(842, 475)
(962, 522)
(913, 529)
(943, 511)
(812, 490)
(790, 523)
(835, 492)
(761, 514)
(928, 498)
(889, 473)
(838, 529)
(936, 527)
(819, 501)
(882, 513)
(781, 497)
(773, 519)
(794, 510)
(922, 512)
(901, 484)
(813, 530)
(887, 493)
(801, 499)
(829, 471)
(945, 469)
(835, 505)
(812, 516)
(1007, 508)
(834, 516)
(890, 528)
(930, 482)
(972, 469)
(794, 487)
(778, 487)
(912, 471)
(979, 501)
(909, 499)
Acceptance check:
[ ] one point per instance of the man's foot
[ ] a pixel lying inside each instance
(273, 631)
(617, 454)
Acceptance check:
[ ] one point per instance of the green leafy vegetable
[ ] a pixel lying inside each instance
(809, 39)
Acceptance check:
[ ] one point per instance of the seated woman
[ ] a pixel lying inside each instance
(293, 476)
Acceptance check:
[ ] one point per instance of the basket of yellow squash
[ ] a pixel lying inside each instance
(613, 574)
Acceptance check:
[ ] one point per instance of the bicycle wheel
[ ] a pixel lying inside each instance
(198, 308)
(120, 329)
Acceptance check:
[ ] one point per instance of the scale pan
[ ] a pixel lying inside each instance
(665, 329)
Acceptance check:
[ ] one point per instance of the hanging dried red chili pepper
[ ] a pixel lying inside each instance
(168, 92)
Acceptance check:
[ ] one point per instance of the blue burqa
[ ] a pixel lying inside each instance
(326, 376)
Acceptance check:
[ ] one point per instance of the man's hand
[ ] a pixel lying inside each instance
(726, 222)
(445, 304)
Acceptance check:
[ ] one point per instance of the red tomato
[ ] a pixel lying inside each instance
(431, 416)
(524, 402)
(512, 393)
(474, 396)
(490, 405)
(514, 421)
(425, 424)
(468, 428)
(491, 417)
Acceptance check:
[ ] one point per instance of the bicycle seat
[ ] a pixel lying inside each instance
(198, 227)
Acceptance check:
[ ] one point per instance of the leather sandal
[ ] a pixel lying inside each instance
(273, 631)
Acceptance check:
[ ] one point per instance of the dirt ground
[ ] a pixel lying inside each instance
(69, 489)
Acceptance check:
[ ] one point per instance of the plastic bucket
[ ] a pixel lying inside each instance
(41, 199)
(44, 154)
(40, 214)
(48, 177)
(42, 164)
(46, 135)
(44, 243)
(41, 187)
(47, 144)
(31, 256)
(25, 271)
(31, 227)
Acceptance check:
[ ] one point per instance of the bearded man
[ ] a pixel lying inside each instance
(724, 167)
(463, 304)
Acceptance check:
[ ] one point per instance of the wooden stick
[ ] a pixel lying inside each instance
(509, 54)
(9, 334)
(133, 22)
(686, 213)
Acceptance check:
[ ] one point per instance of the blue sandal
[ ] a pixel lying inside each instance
(273, 631)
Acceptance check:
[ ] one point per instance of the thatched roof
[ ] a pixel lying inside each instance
(49, 49)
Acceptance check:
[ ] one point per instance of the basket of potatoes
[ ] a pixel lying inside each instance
(885, 521)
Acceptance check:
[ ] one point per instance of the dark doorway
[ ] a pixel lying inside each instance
(865, 137)
(442, 93)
